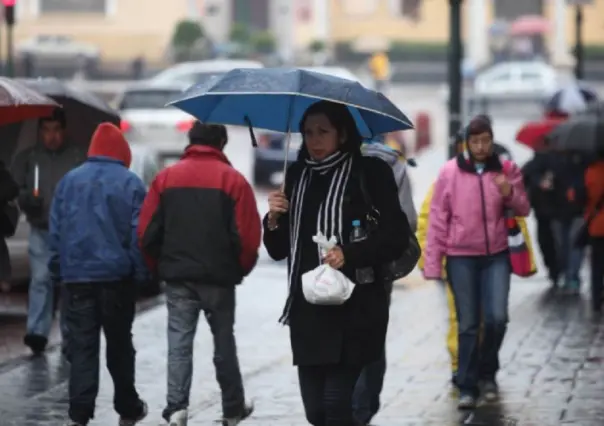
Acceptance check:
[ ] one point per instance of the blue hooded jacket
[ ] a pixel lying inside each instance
(94, 216)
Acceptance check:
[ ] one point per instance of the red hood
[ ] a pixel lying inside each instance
(205, 151)
(108, 141)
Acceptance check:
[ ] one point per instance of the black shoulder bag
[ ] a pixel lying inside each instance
(582, 238)
(401, 267)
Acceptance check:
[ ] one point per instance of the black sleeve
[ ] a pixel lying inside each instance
(277, 242)
(391, 238)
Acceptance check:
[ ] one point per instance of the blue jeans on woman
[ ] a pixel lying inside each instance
(481, 285)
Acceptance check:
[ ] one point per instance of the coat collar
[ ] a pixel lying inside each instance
(466, 163)
(204, 151)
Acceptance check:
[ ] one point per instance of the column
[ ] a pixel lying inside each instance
(320, 17)
(559, 43)
(477, 35)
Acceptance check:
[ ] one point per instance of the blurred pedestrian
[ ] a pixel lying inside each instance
(379, 66)
(37, 171)
(95, 255)
(200, 230)
(332, 344)
(9, 219)
(594, 215)
(564, 178)
(366, 398)
(475, 184)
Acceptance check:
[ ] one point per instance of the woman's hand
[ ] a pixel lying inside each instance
(505, 188)
(277, 204)
(335, 258)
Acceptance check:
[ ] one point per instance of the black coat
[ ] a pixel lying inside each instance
(355, 332)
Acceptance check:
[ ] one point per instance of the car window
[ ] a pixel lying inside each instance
(530, 76)
(201, 77)
(147, 99)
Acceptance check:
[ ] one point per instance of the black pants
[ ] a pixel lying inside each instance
(366, 397)
(90, 308)
(327, 393)
(597, 272)
(547, 246)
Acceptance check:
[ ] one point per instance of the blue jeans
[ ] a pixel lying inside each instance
(569, 256)
(481, 285)
(41, 287)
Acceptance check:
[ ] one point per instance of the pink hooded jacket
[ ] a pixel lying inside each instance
(467, 212)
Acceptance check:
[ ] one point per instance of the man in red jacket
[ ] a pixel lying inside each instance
(200, 231)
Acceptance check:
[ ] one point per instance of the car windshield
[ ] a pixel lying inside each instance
(147, 99)
(201, 77)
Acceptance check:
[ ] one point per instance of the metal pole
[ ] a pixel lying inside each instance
(455, 78)
(579, 54)
(10, 54)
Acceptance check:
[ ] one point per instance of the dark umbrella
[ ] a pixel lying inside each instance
(584, 134)
(572, 99)
(19, 102)
(84, 112)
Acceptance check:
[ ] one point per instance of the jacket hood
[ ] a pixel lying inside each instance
(381, 151)
(108, 141)
(466, 163)
(197, 151)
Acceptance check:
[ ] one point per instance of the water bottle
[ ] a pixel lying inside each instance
(363, 275)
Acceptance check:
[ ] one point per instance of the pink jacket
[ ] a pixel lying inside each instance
(467, 213)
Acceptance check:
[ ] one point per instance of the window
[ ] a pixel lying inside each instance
(359, 7)
(409, 9)
(73, 6)
(147, 99)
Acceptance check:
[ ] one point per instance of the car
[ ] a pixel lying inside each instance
(58, 49)
(190, 73)
(530, 79)
(270, 155)
(147, 120)
(145, 163)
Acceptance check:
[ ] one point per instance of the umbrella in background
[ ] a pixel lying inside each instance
(84, 112)
(572, 99)
(529, 25)
(584, 134)
(18, 102)
(533, 133)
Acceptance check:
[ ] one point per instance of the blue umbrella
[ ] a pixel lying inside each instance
(276, 99)
(572, 99)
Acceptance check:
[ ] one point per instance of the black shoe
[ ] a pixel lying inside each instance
(247, 411)
(36, 343)
(144, 410)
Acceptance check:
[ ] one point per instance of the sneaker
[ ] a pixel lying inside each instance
(490, 390)
(234, 421)
(36, 343)
(131, 422)
(179, 418)
(466, 402)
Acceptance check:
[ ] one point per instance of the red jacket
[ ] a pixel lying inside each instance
(199, 221)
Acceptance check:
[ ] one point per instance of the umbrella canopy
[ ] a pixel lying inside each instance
(18, 102)
(276, 99)
(578, 134)
(83, 110)
(529, 25)
(571, 99)
(533, 133)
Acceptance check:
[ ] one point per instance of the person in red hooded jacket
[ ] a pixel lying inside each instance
(95, 256)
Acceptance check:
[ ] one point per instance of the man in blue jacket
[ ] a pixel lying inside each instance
(95, 255)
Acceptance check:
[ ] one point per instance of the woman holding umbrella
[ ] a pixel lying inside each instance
(331, 344)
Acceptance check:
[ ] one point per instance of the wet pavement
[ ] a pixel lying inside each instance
(552, 372)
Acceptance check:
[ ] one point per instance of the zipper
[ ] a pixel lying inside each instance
(484, 216)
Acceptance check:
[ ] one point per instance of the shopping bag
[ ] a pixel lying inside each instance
(520, 254)
(325, 285)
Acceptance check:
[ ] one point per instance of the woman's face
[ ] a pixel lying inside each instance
(320, 136)
(480, 146)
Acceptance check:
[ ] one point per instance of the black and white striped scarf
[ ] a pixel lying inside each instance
(329, 218)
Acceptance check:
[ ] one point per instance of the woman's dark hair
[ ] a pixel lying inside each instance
(479, 125)
(340, 117)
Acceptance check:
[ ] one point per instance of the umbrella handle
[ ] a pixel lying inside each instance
(288, 138)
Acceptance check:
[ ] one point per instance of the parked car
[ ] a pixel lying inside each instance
(530, 79)
(190, 73)
(145, 163)
(271, 153)
(58, 49)
(145, 117)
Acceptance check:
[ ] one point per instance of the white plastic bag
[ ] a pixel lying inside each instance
(325, 285)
